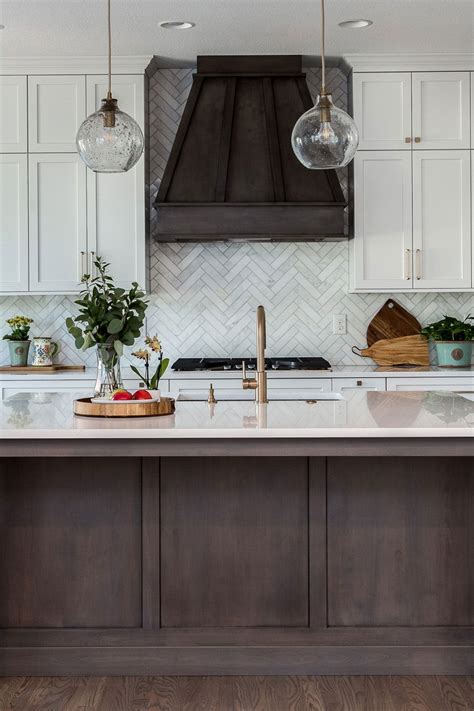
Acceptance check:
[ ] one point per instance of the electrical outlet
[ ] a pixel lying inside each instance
(339, 326)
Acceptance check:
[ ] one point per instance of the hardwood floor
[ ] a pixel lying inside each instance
(301, 693)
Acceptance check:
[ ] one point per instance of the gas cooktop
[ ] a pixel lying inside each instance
(311, 363)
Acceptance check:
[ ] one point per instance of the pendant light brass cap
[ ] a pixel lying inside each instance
(109, 107)
(325, 105)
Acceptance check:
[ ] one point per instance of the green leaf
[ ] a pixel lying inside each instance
(115, 326)
(88, 341)
(137, 372)
(164, 364)
(118, 347)
(79, 342)
(128, 338)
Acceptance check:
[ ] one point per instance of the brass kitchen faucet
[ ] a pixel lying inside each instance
(259, 384)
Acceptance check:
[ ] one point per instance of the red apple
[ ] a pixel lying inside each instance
(142, 395)
(122, 395)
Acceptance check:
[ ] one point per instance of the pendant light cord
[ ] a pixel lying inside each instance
(323, 49)
(109, 28)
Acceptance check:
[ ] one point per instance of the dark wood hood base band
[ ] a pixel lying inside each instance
(195, 565)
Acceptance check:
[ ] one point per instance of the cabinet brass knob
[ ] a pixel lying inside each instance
(359, 383)
(417, 139)
(408, 139)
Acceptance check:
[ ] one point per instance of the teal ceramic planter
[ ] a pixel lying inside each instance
(19, 352)
(454, 354)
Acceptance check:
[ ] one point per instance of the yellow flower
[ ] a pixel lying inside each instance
(142, 354)
(154, 343)
(18, 321)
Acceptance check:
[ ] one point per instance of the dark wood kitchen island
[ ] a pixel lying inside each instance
(299, 539)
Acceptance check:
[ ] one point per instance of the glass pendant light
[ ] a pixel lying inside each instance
(109, 141)
(324, 137)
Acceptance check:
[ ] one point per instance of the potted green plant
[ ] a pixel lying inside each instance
(18, 342)
(151, 351)
(452, 339)
(109, 319)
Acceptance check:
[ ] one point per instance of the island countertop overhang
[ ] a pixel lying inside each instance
(237, 427)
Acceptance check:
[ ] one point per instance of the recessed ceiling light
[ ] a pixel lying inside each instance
(356, 24)
(176, 25)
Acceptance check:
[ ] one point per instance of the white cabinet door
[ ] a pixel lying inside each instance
(58, 233)
(13, 222)
(13, 115)
(441, 219)
(116, 201)
(441, 110)
(56, 109)
(382, 110)
(382, 220)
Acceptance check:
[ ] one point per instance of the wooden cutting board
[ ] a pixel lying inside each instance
(392, 321)
(28, 369)
(407, 350)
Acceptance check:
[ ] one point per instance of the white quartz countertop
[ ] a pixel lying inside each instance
(344, 371)
(359, 414)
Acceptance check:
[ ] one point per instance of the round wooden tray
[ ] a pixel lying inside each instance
(143, 408)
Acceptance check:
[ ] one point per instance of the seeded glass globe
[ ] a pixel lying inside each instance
(109, 141)
(325, 137)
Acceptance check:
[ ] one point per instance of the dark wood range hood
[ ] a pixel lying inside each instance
(232, 173)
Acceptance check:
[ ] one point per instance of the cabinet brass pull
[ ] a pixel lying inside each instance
(418, 264)
(408, 139)
(408, 264)
(417, 139)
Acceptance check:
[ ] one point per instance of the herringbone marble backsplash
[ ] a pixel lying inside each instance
(203, 296)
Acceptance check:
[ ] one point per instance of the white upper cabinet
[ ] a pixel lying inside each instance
(383, 220)
(13, 115)
(13, 222)
(56, 109)
(58, 231)
(382, 110)
(441, 110)
(441, 219)
(116, 201)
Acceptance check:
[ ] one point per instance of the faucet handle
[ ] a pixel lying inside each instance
(244, 371)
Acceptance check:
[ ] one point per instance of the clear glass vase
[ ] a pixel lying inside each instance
(108, 370)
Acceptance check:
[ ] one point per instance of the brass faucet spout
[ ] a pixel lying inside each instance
(259, 384)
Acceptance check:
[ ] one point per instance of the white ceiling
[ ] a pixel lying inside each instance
(53, 28)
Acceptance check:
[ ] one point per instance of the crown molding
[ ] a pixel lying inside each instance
(73, 65)
(410, 62)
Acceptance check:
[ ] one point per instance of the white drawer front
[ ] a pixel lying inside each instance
(442, 383)
(339, 385)
(322, 385)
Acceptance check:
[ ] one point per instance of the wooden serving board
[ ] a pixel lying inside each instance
(392, 321)
(407, 350)
(142, 408)
(28, 369)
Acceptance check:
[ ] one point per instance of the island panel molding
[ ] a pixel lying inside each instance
(70, 544)
(380, 579)
(234, 542)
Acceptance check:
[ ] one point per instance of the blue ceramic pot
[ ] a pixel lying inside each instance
(454, 354)
(19, 352)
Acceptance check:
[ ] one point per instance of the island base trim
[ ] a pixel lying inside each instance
(218, 661)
